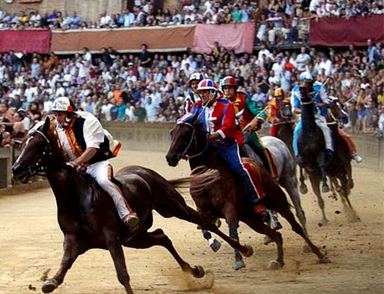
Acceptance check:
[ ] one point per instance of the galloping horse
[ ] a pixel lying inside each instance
(225, 197)
(339, 170)
(286, 126)
(87, 215)
(312, 156)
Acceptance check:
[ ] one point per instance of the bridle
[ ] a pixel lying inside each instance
(335, 120)
(36, 168)
(184, 154)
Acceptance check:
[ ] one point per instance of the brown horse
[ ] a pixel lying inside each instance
(87, 215)
(225, 197)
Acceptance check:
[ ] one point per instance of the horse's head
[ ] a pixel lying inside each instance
(286, 110)
(36, 154)
(305, 95)
(337, 112)
(185, 143)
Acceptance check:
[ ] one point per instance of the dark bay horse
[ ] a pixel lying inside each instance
(225, 197)
(87, 215)
(286, 126)
(339, 170)
(312, 156)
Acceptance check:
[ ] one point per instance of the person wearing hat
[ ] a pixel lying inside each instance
(193, 97)
(88, 146)
(274, 115)
(322, 101)
(217, 118)
(247, 110)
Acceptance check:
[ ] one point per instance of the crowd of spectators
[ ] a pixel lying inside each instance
(278, 21)
(152, 87)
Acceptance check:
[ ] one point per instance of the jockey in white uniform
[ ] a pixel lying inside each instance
(193, 97)
(83, 140)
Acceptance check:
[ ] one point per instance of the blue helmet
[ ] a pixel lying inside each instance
(306, 76)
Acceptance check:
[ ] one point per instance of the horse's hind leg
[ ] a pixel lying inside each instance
(72, 249)
(288, 215)
(157, 237)
(260, 227)
(182, 211)
(315, 183)
(233, 225)
(303, 186)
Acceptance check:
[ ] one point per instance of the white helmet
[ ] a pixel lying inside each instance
(306, 76)
(196, 76)
(62, 104)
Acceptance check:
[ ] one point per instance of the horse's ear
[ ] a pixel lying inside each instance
(46, 126)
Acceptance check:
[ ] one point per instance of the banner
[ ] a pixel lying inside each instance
(161, 39)
(29, 40)
(342, 32)
(235, 36)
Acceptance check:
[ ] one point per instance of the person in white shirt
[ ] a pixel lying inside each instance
(105, 20)
(302, 60)
(82, 129)
(106, 110)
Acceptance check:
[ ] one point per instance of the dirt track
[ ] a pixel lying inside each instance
(31, 244)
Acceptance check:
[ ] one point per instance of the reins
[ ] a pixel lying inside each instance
(184, 154)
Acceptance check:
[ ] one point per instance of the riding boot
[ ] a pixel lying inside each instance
(253, 141)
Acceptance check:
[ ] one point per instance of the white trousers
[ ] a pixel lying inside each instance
(102, 172)
(321, 122)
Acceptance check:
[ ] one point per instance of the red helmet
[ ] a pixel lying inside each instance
(228, 81)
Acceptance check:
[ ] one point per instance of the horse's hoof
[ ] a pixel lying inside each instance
(267, 240)
(324, 260)
(218, 223)
(49, 285)
(325, 188)
(307, 249)
(249, 251)
(239, 264)
(276, 226)
(199, 271)
(274, 265)
(323, 222)
(303, 189)
(214, 244)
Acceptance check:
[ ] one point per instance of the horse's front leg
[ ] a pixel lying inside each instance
(233, 224)
(321, 164)
(115, 249)
(72, 249)
(213, 243)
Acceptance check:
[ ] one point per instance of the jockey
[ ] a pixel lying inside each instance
(83, 140)
(274, 116)
(193, 96)
(347, 138)
(246, 110)
(217, 117)
(322, 101)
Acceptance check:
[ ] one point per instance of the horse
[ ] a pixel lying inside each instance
(225, 197)
(87, 215)
(311, 146)
(286, 126)
(339, 169)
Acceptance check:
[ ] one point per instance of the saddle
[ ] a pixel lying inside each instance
(251, 167)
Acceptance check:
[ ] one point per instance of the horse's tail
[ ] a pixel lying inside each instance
(201, 177)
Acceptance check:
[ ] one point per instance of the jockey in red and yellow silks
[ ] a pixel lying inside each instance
(247, 110)
(274, 115)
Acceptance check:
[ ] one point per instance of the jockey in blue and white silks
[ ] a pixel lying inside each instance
(322, 101)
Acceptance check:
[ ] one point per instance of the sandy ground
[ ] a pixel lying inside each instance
(31, 245)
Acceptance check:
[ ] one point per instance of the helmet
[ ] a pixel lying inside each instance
(207, 84)
(196, 76)
(279, 92)
(306, 76)
(228, 81)
(62, 104)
